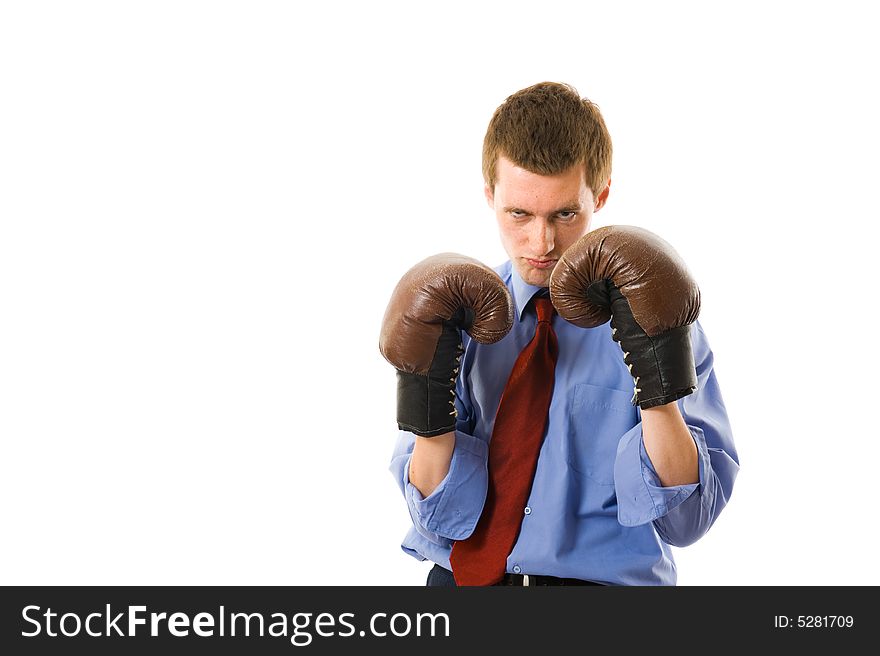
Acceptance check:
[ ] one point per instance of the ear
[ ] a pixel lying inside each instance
(600, 201)
(490, 196)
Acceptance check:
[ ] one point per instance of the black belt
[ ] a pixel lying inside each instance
(540, 579)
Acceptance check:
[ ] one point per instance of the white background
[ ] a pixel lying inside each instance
(206, 205)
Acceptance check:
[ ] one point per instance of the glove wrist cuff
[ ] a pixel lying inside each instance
(662, 367)
(425, 404)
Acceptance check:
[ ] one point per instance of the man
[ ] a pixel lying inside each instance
(614, 480)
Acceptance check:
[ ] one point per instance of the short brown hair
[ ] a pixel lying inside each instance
(547, 128)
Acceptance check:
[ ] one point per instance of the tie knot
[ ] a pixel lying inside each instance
(544, 308)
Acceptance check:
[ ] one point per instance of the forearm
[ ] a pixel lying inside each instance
(669, 445)
(430, 461)
(663, 442)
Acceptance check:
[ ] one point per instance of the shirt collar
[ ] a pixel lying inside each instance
(522, 291)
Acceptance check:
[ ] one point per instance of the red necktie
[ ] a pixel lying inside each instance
(520, 422)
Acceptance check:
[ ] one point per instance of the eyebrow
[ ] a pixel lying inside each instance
(568, 207)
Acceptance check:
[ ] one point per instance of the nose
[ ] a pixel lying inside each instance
(541, 236)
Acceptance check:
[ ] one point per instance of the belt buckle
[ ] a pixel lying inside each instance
(526, 579)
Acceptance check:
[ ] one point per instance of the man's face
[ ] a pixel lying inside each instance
(539, 216)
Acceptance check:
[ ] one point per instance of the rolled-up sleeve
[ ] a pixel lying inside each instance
(682, 514)
(452, 510)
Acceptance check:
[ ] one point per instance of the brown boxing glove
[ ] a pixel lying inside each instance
(420, 336)
(636, 279)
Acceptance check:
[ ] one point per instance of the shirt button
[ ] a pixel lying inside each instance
(516, 569)
(528, 511)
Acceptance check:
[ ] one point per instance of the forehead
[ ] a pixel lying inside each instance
(533, 191)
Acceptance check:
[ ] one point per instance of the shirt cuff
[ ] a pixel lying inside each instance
(453, 509)
(641, 498)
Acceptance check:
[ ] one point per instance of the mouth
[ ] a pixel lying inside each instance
(541, 264)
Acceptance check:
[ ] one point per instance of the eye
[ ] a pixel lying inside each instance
(567, 216)
(518, 214)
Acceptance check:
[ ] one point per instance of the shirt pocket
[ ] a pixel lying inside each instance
(598, 418)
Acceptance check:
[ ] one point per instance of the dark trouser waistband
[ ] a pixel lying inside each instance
(540, 579)
(440, 576)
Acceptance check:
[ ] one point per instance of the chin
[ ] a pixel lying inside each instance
(535, 277)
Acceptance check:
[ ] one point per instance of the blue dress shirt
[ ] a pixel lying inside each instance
(596, 510)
